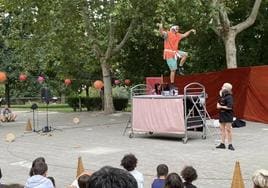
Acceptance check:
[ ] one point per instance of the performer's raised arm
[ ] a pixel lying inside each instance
(186, 34)
(162, 31)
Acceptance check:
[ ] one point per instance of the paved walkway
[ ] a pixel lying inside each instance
(99, 141)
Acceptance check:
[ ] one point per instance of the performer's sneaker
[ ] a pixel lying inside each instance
(230, 147)
(221, 146)
(171, 86)
(181, 70)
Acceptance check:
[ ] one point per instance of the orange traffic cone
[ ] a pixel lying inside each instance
(80, 167)
(237, 181)
(28, 127)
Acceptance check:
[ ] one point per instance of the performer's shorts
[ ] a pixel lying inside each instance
(172, 63)
(182, 53)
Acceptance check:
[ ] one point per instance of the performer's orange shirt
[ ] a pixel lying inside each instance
(171, 44)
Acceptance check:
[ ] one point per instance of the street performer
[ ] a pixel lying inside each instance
(172, 39)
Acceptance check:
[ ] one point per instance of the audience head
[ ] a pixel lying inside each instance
(110, 177)
(83, 181)
(189, 174)
(12, 186)
(162, 170)
(40, 168)
(173, 180)
(52, 180)
(260, 178)
(42, 159)
(129, 162)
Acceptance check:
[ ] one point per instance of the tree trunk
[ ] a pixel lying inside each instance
(108, 98)
(62, 98)
(230, 49)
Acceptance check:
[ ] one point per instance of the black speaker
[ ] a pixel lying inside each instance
(34, 106)
(45, 94)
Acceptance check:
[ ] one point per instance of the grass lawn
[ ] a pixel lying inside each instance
(42, 107)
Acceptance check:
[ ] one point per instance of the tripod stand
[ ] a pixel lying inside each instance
(47, 128)
(34, 107)
(45, 94)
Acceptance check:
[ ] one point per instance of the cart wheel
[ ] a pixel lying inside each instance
(131, 135)
(204, 137)
(184, 140)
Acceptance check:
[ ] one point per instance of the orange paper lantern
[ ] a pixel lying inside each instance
(98, 84)
(67, 82)
(23, 77)
(3, 76)
(127, 82)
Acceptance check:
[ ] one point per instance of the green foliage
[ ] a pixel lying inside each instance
(121, 92)
(2, 90)
(58, 39)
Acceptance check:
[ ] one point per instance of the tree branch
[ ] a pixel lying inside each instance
(124, 40)
(111, 36)
(216, 23)
(250, 20)
(95, 43)
(224, 20)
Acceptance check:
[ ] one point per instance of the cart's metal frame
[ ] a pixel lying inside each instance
(194, 118)
(140, 89)
(197, 115)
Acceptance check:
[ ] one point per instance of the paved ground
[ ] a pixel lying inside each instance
(98, 139)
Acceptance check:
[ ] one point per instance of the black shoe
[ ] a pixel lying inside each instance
(181, 70)
(221, 146)
(171, 86)
(230, 147)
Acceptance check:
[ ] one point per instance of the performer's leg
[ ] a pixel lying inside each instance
(172, 64)
(183, 59)
(183, 56)
(229, 135)
(172, 76)
(223, 135)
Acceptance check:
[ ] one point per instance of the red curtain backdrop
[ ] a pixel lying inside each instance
(250, 90)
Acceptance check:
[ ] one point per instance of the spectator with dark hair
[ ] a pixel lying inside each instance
(86, 174)
(173, 180)
(38, 159)
(189, 175)
(0, 178)
(260, 179)
(110, 177)
(162, 172)
(83, 181)
(0, 175)
(129, 162)
(39, 179)
(15, 185)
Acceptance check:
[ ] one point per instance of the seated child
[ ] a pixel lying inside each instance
(189, 175)
(162, 172)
